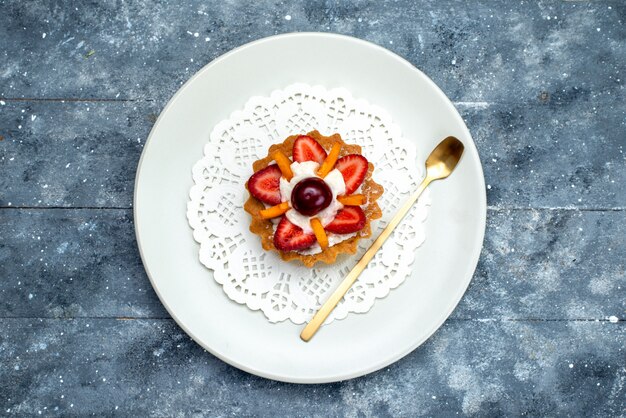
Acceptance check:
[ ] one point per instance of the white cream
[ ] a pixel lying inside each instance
(304, 170)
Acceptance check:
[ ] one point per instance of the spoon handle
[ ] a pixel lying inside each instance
(309, 331)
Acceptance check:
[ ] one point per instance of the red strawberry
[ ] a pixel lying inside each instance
(349, 219)
(290, 237)
(265, 184)
(306, 148)
(353, 167)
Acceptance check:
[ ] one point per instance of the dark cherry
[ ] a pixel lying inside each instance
(310, 196)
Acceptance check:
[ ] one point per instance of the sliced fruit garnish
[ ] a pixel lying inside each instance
(306, 148)
(274, 211)
(349, 219)
(352, 200)
(330, 160)
(284, 163)
(353, 168)
(265, 184)
(319, 232)
(290, 237)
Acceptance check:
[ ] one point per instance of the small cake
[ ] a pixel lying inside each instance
(312, 198)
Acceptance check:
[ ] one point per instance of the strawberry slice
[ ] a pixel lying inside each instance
(265, 184)
(349, 219)
(290, 237)
(353, 168)
(306, 148)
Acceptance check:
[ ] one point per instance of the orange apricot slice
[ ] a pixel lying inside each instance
(274, 211)
(352, 200)
(284, 163)
(330, 160)
(319, 232)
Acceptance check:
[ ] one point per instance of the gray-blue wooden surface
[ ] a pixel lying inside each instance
(541, 329)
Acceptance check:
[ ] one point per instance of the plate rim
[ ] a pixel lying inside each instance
(482, 201)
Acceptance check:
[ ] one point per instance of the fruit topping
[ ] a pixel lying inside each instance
(290, 237)
(284, 163)
(310, 196)
(329, 162)
(274, 211)
(319, 232)
(353, 168)
(265, 184)
(352, 200)
(306, 148)
(349, 219)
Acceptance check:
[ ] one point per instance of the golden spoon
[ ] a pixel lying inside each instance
(440, 163)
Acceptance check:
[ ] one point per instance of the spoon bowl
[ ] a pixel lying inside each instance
(444, 158)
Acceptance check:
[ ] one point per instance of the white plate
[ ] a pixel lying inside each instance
(361, 343)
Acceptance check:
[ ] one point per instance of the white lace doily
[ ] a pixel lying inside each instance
(260, 279)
